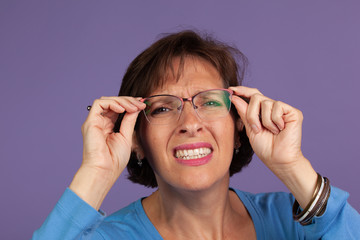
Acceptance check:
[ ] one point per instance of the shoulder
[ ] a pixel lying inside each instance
(271, 213)
(267, 200)
(127, 213)
(122, 221)
(129, 222)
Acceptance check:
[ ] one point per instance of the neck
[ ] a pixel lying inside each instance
(200, 214)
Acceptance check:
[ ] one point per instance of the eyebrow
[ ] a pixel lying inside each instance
(168, 94)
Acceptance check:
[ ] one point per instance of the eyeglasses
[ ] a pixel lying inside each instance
(209, 105)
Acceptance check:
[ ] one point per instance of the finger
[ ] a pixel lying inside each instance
(288, 114)
(99, 106)
(129, 103)
(266, 116)
(103, 106)
(245, 91)
(130, 100)
(253, 112)
(241, 107)
(277, 115)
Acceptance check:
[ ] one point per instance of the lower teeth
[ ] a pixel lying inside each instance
(193, 157)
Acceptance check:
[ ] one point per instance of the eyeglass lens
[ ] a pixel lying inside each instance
(209, 105)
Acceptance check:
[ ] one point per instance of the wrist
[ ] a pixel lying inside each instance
(300, 178)
(92, 185)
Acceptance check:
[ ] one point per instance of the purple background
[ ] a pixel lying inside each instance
(56, 57)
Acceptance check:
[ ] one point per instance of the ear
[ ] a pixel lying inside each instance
(239, 125)
(136, 147)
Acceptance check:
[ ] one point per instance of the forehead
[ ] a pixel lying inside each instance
(188, 77)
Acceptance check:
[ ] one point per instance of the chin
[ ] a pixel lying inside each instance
(194, 181)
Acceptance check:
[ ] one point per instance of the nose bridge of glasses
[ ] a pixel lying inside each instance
(192, 109)
(190, 100)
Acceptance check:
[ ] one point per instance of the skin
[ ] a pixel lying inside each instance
(159, 141)
(193, 202)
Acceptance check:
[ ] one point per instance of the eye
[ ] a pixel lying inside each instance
(212, 103)
(160, 110)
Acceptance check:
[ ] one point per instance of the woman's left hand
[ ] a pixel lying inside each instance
(273, 128)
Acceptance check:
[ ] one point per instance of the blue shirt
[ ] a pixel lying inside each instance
(72, 218)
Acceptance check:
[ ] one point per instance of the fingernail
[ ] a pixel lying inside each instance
(255, 128)
(276, 132)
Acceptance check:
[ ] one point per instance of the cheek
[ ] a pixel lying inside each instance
(154, 141)
(227, 139)
(225, 130)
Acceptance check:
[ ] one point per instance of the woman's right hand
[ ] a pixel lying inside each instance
(105, 153)
(104, 149)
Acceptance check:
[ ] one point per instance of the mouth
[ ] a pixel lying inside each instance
(196, 153)
(193, 151)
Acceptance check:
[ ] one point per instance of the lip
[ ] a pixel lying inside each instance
(193, 146)
(197, 161)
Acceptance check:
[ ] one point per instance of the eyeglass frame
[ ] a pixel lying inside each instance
(189, 99)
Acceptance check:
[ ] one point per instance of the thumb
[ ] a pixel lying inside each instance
(241, 107)
(128, 124)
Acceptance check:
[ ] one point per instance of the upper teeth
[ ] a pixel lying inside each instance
(192, 153)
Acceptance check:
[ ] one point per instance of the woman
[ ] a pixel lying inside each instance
(198, 127)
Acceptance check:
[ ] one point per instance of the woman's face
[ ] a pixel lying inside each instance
(165, 145)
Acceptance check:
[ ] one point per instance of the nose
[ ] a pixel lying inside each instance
(189, 121)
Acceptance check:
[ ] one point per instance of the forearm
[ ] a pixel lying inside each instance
(92, 185)
(71, 218)
(300, 178)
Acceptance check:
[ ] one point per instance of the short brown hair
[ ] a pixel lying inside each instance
(147, 72)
